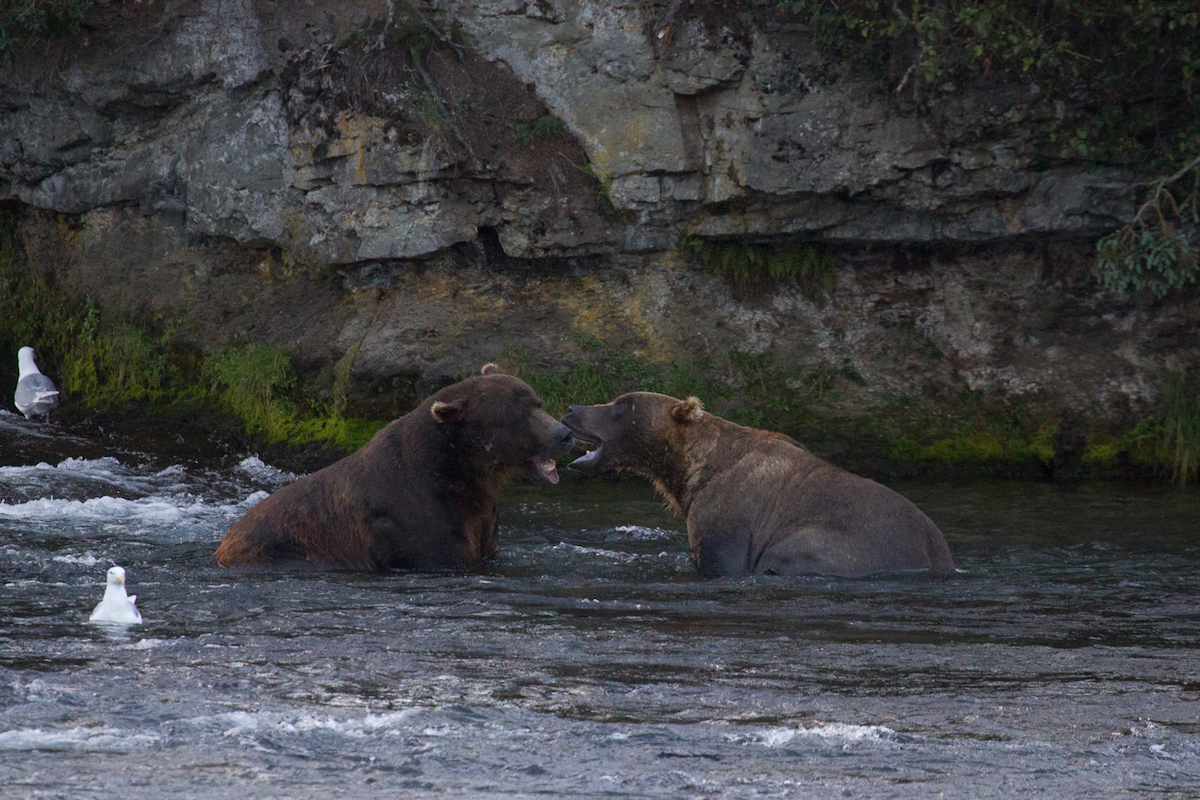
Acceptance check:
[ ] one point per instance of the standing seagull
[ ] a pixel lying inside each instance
(36, 395)
(116, 605)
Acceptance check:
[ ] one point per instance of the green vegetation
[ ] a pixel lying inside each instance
(609, 374)
(104, 365)
(22, 21)
(1137, 62)
(1167, 442)
(586, 384)
(1170, 438)
(753, 270)
(255, 383)
(258, 384)
(544, 127)
(978, 447)
(975, 430)
(1181, 427)
(1124, 76)
(1159, 250)
(109, 365)
(405, 30)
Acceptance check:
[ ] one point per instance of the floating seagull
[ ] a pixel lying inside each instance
(116, 605)
(36, 395)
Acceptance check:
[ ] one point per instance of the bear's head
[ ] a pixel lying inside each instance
(496, 423)
(637, 431)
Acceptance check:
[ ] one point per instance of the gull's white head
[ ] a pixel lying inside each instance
(26, 363)
(116, 576)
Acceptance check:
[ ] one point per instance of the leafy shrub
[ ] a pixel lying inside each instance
(1160, 249)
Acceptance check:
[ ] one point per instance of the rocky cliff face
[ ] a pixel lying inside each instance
(293, 173)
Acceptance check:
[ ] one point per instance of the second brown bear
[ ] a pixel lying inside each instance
(757, 502)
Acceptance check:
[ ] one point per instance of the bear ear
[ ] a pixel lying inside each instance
(490, 369)
(690, 410)
(444, 412)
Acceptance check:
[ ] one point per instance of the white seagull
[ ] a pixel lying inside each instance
(36, 394)
(116, 605)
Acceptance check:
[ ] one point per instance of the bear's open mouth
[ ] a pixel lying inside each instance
(594, 445)
(546, 469)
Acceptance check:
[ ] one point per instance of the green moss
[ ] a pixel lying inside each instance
(753, 270)
(973, 447)
(258, 384)
(105, 364)
(346, 433)
(786, 398)
(255, 383)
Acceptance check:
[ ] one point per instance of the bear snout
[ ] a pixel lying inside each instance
(564, 436)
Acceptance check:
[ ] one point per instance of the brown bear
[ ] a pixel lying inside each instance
(756, 502)
(421, 494)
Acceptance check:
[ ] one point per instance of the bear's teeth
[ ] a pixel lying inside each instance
(546, 469)
(589, 456)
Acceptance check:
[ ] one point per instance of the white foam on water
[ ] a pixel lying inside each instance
(20, 472)
(105, 469)
(256, 468)
(831, 731)
(93, 509)
(640, 533)
(155, 510)
(38, 690)
(147, 644)
(576, 549)
(241, 723)
(86, 560)
(78, 738)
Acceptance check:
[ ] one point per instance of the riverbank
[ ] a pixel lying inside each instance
(864, 411)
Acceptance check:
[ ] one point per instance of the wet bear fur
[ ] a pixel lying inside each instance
(756, 502)
(421, 494)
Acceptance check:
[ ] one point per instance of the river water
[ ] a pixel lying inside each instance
(1062, 660)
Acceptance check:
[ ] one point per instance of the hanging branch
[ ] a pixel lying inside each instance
(476, 164)
(1160, 187)
(381, 43)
